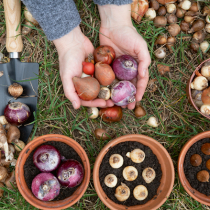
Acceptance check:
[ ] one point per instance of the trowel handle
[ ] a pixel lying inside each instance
(12, 9)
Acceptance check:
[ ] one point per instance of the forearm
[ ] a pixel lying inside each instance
(111, 15)
(69, 40)
(56, 17)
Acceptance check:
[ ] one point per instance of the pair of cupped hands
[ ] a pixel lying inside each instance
(116, 31)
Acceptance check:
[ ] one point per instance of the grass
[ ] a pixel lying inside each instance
(178, 120)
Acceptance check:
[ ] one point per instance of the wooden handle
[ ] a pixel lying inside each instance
(12, 9)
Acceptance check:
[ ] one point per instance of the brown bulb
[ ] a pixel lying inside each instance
(162, 39)
(139, 111)
(180, 12)
(174, 29)
(206, 148)
(208, 164)
(161, 11)
(203, 176)
(194, 7)
(172, 18)
(15, 90)
(160, 21)
(199, 36)
(184, 26)
(197, 26)
(195, 160)
(154, 4)
(194, 47)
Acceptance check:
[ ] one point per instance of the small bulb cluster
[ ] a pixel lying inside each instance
(200, 90)
(196, 160)
(130, 173)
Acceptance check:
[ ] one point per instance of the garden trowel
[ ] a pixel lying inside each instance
(25, 74)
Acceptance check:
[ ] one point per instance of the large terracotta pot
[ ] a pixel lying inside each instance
(26, 192)
(167, 168)
(188, 89)
(191, 191)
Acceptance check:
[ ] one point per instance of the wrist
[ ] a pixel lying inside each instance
(73, 38)
(113, 15)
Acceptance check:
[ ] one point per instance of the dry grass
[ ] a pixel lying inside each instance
(178, 120)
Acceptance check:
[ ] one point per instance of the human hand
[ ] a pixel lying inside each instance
(118, 32)
(72, 49)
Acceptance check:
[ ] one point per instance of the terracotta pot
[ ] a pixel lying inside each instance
(191, 191)
(188, 89)
(167, 168)
(26, 192)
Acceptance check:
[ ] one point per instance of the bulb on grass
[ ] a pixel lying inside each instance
(152, 121)
(92, 112)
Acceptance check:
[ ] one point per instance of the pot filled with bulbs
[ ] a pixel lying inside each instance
(198, 89)
(133, 172)
(194, 167)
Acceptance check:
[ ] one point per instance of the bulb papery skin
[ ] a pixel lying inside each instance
(171, 8)
(196, 96)
(207, 28)
(160, 53)
(123, 93)
(150, 14)
(199, 83)
(70, 173)
(92, 112)
(205, 109)
(208, 18)
(186, 4)
(125, 67)
(46, 158)
(152, 121)
(205, 71)
(45, 186)
(204, 46)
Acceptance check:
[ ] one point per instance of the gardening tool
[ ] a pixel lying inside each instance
(25, 74)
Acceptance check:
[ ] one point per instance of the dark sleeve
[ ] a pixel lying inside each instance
(56, 17)
(117, 2)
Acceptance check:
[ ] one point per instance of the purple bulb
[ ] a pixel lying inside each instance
(125, 67)
(123, 93)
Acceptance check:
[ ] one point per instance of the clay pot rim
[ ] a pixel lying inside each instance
(202, 198)
(189, 89)
(26, 192)
(138, 137)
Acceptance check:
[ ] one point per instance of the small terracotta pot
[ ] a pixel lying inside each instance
(188, 89)
(26, 192)
(167, 167)
(191, 191)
